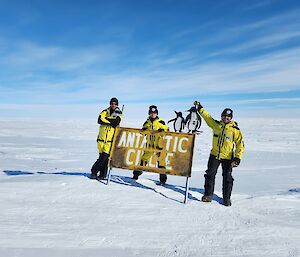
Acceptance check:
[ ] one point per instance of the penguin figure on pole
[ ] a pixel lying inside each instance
(193, 120)
(178, 122)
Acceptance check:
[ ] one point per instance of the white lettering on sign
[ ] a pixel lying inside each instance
(130, 139)
(180, 149)
(128, 161)
(137, 143)
(144, 143)
(122, 142)
(168, 167)
(138, 137)
(153, 151)
(140, 141)
(133, 157)
(175, 144)
(168, 141)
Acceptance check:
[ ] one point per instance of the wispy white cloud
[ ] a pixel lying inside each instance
(269, 34)
(272, 22)
(257, 5)
(28, 55)
(157, 74)
(271, 72)
(287, 23)
(268, 41)
(270, 100)
(193, 30)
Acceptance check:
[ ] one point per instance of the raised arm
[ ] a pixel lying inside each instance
(206, 116)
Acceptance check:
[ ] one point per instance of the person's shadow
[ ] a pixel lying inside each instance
(176, 188)
(65, 173)
(122, 180)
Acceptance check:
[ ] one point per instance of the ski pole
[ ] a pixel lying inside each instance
(109, 161)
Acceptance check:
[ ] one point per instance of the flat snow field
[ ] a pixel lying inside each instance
(49, 206)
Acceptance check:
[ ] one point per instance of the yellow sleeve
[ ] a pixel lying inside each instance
(208, 119)
(145, 125)
(239, 144)
(103, 118)
(162, 125)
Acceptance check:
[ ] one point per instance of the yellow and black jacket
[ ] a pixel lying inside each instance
(108, 119)
(156, 124)
(227, 138)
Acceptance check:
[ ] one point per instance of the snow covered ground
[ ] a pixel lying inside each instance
(49, 207)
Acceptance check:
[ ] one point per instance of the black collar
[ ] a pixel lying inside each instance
(153, 119)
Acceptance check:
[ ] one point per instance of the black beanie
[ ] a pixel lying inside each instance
(227, 112)
(114, 100)
(152, 109)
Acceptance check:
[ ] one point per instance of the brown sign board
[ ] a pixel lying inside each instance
(153, 151)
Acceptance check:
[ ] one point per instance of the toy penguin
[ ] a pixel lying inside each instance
(193, 120)
(117, 112)
(179, 122)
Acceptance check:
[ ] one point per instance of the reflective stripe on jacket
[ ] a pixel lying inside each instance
(106, 131)
(227, 138)
(154, 124)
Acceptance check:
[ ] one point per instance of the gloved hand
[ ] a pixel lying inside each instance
(114, 122)
(198, 104)
(235, 162)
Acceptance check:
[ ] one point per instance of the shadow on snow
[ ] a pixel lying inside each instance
(19, 172)
(176, 188)
(122, 180)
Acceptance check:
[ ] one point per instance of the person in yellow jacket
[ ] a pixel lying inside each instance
(108, 119)
(153, 123)
(227, 150)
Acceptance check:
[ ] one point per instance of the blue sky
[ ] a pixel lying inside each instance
(68, 58)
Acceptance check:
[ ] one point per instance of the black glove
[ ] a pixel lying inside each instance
(235, 162)
(114, 122)
(198, 105)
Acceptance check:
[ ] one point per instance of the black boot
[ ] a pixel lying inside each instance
(136, 174)
(227, 202)
(103, 173)
(135, 177)
(206, 198)
(95, 169)
(93, 175)
(101, 177)
(162, 179)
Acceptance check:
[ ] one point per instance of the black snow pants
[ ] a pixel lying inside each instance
(212, 168)
(101, 165)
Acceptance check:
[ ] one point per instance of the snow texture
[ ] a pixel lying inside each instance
(49, 206)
